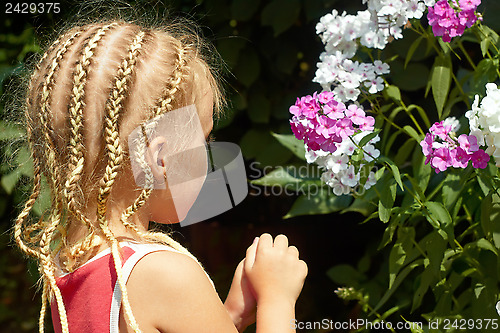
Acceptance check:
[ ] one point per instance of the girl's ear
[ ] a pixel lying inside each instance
(156, 163)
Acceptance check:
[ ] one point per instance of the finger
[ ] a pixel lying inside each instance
(304, 267)
(281, 242)
(293, 251)
(265, 241)
(251, 253)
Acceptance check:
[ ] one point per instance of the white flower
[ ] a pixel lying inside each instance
(349, 177)
(381, 67)
(484, 120)
(375, 85)
(313, 155)
(370, 152)
(371, 180)
(339, 188)
(336, 163)
(453, 122)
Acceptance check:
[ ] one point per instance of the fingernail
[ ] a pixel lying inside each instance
(256, 239)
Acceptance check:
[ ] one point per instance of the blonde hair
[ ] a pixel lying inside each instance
(124, 74)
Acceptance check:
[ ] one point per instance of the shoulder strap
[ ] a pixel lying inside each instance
(140, 250)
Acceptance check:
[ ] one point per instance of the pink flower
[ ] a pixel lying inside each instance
(468, 143)
(449, 22)
(480, 159)
(426, 144)
(334, 109)
(325, 97)
(344, 128)
(441, 159)
(440, 130)
(368, 124)
(460, 158)
(356, 114)
(469, 4)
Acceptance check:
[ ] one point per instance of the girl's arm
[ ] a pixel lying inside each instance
(170, 292)
(277, 275)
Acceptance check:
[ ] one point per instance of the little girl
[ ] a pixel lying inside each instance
(102, 269)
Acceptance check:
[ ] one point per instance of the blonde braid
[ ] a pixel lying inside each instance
(28, 206)
(77, 158)
(48, 268)
(22, 217)
(164, 104)
(115, 252)
(43, 310)
(114, 107)
(45, 113)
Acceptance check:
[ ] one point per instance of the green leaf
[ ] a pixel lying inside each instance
(243, 10)
(291, 142)
(412, 49)
(413, 133)
(452, 187)
(486, 71)
(422, 114)
(393, 93)
(10, 180)
(441, 81)
(345, 275)
(387, 197)
(252, 142)
(439, 217)
(281, 15)
(279, 176)
(399, 279)
(404, 152)
(487, 36)
(486, 245)
(368, 137)
(324, 202)
(399, 252)
(394, 169)
(259, 108)
(9, 131)
(248, 68)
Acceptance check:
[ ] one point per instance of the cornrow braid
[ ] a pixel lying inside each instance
(164, 104)
(28, 206)
(77, 158)
(114, 106)
(48, 269)
(45, 104)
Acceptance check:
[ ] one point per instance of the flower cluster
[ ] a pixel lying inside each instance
(373, 28)
(484, 121)
(450, 19)
(443, 150)
(348, 76)
(332, 132)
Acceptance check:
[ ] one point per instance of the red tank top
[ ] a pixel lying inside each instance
(91, 294)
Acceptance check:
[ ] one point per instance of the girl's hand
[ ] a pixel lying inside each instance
(240, 302)
(274, 270)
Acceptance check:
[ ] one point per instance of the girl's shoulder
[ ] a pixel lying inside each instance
(167, 289)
